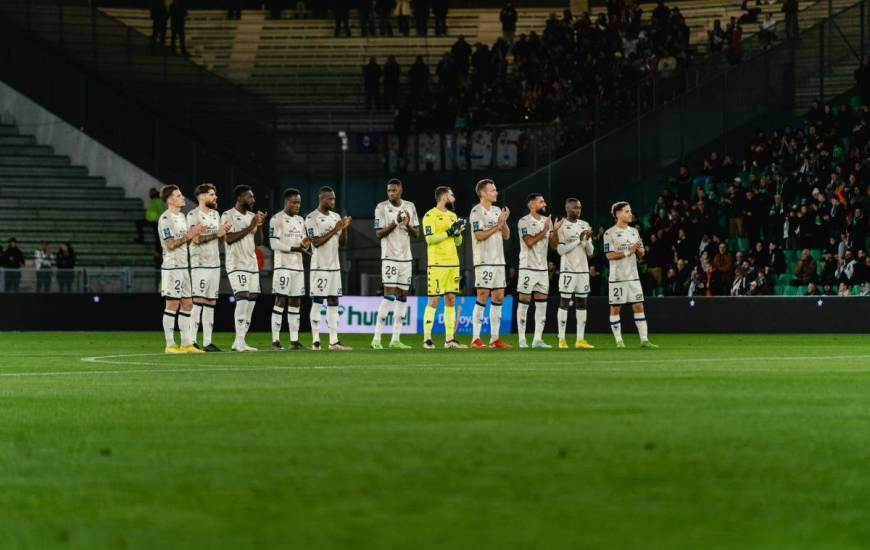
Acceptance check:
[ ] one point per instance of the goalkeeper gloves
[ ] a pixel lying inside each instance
(457, 228)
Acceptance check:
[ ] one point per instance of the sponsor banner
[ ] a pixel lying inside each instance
(357, 314)
(464, 310)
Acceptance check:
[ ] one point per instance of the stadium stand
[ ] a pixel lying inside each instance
(44, 197)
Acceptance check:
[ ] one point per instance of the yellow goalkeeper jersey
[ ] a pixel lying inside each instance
(441, 248)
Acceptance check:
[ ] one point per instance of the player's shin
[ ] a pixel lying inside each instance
(186, 327)
(249, 314)
(494, 321)
(616, 328)
(540, 319)
(477, 320)
(383, 310)
(240, 315)
(293, 322)
(640, 322)
(562, 318)
(449, 322)
(207, 322)
(277, 322)
(522, 313)
(428, 322)
(196, 319)
(316, 308)
(581, 323)
(332, 321)
(169, 326)
(399, 318)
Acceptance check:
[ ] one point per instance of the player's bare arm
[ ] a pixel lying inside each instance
(532, 240)
(259, 220)
(500, 226)
(345, 225)
(191, 234)
(232, 237)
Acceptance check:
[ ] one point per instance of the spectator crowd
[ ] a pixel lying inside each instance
(785, 216)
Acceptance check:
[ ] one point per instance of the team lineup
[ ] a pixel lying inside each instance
(190, 272)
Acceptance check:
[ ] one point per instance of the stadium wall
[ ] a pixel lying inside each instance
(828, 314)
(49, 129)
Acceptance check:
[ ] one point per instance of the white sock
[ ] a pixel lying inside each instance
(381, 319)
(398, 319)
(522, 312)
(581, 323)
(240, 316)
(277, 322)
(540, 319)
(494, 321)
(169, 326)
(640, 322)
(249, 314)
(185, 326)
(616, 328)
(562, 317)
(332, 321)
(315, 321)
(207, 322)
(196, 319)
(293, 323)
(476, 320)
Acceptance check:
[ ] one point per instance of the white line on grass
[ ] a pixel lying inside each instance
(613, 363)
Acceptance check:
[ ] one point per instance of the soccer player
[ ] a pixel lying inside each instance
(489, 228)
(289, 241)
(245, 233)
(205, 262)
(534, 280)
(395, 223)
(443, 231)
(572, 239)
(623, 246)
(327, 231)
(174, 272)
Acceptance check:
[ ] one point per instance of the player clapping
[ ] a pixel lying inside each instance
(534, 229)
(289, 241)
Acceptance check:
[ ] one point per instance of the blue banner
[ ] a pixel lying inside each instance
(464, 309)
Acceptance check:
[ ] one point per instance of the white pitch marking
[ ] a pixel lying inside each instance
(108, 359)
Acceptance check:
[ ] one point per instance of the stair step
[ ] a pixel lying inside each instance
(16, 140)
(32, 160)
(54, 193)
(57, 182)
(68, 171)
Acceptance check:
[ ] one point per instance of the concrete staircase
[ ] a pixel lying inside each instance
(43, 196)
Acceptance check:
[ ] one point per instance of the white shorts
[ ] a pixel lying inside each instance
(572, 283)
(533, 280)
(489, 276)
(288, 282)
(244, 281)
(322, 283)
(206, 282)
(625, 292)
(175, 283)
(396, 274)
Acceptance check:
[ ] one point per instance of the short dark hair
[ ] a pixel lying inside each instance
(325, 189)
(167, 190)
(573, 199)
(290, 193)
(617, 206)
(240, 190)
(203, 188)
(481, 184)
(395, 181)
(440, 191)
(533, 196)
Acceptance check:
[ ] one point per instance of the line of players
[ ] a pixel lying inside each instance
(191, 265)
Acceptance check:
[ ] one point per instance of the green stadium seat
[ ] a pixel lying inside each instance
(791, 291)
(731, 243)
(856, 290)
(742, 244)
(789, 255)
(816, 254)
(802, 290)
(783, 279)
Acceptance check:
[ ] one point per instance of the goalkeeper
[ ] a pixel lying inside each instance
(443, 231)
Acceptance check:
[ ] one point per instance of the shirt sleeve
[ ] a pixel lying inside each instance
(415, 221)
(274, 228)
(476, 220)
(227, 219)
(165, 229)
(380, 217)
(523, 228)
(608, 245)
(311, 227)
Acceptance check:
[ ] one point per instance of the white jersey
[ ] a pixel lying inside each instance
(489, 252)
(240, 255)
(534, 257)
(173, 226)
(575, 260)
(289, 230)
(207, 254)
(619, 240)
(397, 245)
(325, 256)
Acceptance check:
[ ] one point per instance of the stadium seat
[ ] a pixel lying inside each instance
(791, 291)
(742, 244)
(783, 279)
(816, 254)
(789, 255)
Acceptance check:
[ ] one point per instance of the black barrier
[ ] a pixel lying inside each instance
(829, 314)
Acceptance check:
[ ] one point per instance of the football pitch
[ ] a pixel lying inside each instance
(712, 441)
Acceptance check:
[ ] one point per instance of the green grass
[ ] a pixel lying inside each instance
(713, 441)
